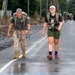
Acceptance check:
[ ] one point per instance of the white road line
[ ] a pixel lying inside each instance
(10, 62)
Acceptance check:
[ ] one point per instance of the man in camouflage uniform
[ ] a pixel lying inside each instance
(21, 27)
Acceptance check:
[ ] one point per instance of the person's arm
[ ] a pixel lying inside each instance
(10, 26)
(60, 23)
(9, 29)
(44, 27)
(28, 26)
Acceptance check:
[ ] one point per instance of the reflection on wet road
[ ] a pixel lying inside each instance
(54, 67)
(36, 62)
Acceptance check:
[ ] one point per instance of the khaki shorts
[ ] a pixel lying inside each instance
(55, 34)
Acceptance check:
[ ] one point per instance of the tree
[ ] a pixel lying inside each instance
(72, 6)
(1, 4)
(35, 5)
(44, 6)
(14, 4)
(63, 5)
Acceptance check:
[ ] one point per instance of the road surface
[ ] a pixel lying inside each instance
(36, 62)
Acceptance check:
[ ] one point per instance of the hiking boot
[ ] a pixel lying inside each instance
(16, 55)
(49, 57)
(56, 56)
(23, 54)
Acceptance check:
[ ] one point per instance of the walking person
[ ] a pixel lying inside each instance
(21, 27)
(54, 22)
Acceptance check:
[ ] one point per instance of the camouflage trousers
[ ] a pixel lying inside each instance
(19, 36)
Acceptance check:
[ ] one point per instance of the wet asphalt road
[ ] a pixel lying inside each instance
(36, 62)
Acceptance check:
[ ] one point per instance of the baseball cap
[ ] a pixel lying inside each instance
(52, 6)
(18, 10)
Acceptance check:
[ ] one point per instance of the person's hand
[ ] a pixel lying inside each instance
(59, 28)
(8, 35)
(26, 32)
(43, 33)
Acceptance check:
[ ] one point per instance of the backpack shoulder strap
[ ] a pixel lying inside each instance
(15, 19)
(57, 17)
(24, 18)
(48, 17)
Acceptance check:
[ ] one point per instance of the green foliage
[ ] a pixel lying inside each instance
(14, 4)
(36, 15)
(35, 5)
(1, 4)
(63, 5)
(72, 6)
